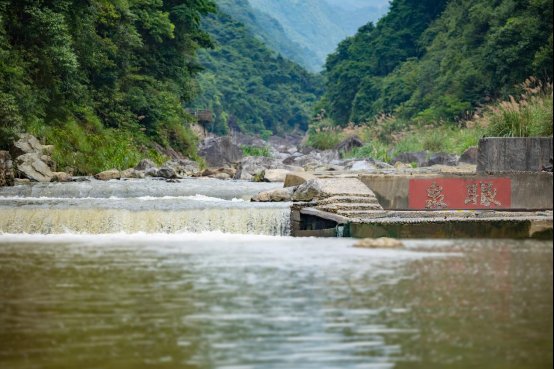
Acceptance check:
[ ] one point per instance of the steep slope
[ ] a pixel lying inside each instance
(438, 60)
(270, 32)
(99, 79)
(315, 24)
(250, 86)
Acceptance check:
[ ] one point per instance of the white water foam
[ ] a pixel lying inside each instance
(197, 197)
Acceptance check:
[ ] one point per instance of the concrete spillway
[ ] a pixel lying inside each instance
(141, 206)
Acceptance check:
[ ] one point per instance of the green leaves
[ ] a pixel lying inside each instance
(246, 85)
(127, 65)
(436, 61)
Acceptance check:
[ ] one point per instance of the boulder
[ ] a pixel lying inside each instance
(220, 152)
(167, 173)
(307, 162)
(145, 164)
(330, 168)
(443, 159)
(32, 167)
(419, 158)
(48, 161)
(349, 144)
(379, 243)
(61, 177)
(326, 156)
(275, 175)
(151, 172)
(290, 160)
(362, 166)
(308, 191)
(183, 167)
(470, 156)
(108, 175)
(314, 159)
(280, 195)
(296, 179)
(381, 164)
(222, 176)
(7, 175)
(132, 173)
(400, 165)
(319, 189)
(251, 167)
(219, 173)
(27, 144)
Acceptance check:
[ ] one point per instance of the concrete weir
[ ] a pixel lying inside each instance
(511, 206)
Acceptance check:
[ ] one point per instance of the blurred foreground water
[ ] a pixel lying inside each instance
(214, 283)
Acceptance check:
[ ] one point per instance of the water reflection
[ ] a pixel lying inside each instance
(237, 302)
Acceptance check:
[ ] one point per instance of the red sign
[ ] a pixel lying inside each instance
(459, 193)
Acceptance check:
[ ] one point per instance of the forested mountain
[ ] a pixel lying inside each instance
(271, 32)
(437, 60)
(71, 66)
(352, 14)
(316, 24)
(248, 85)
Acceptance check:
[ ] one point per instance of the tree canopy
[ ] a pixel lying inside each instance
(250, 86)
(124, 64)
(439, 60)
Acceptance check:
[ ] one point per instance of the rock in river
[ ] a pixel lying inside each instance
(6, 169)
(32, 167)
(220, 152)
(379, 243)
(108, 175)
(279, 195)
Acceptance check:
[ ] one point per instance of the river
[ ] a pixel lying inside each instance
(224, 287)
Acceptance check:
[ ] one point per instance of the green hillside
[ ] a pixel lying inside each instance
(435, 61)
(101, 80)
(250, 86)
(316, 24)
(270, 32)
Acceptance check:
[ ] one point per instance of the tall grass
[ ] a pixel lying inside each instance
(374, 150)
(529, 115)
(325, 135)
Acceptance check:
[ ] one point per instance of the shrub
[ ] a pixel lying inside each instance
(89, 149)
(256, 151)
(374, 150)
(527, 116)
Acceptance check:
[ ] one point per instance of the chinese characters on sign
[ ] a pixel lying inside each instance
(488, 195)
(435, 198)
(459, 193)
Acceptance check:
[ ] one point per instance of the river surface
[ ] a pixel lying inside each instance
(194, 297)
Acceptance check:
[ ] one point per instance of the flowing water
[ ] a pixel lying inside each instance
(188, 296)
(148, 206)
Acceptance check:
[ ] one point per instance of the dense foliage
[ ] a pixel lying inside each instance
(249, 86)
(439, 60)
(118, 71)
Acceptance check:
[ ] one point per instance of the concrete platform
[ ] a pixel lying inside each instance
(311, 222)
(529, 191)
